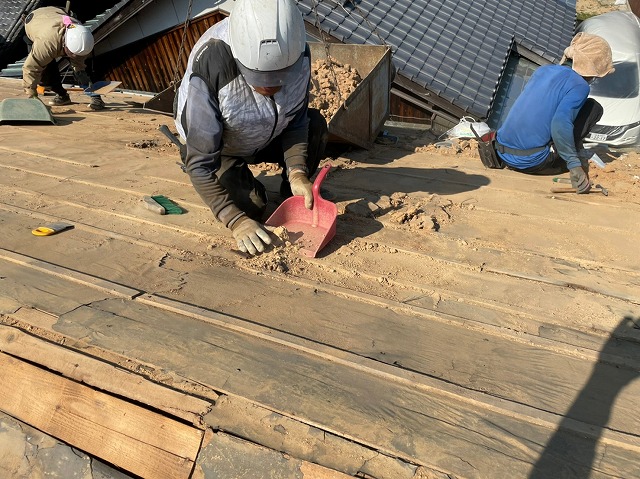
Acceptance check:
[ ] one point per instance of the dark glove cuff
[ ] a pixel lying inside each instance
(236, 221)
(296, 160)
(229, 215)
(293, 168)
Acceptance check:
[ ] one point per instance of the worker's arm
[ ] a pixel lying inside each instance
(295, 138)
(295, 142)
(80, 71)
(42, 53)
(78, 63)
(562, 125)
(204, 144)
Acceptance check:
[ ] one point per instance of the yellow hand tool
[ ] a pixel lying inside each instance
(51, 229)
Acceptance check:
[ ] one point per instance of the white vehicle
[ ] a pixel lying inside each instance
(618, 92)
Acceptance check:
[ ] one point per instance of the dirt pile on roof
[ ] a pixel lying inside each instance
(331, 85)
(454, 146)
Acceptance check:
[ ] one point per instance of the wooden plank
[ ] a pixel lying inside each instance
(121, 433)
(30, 288)
(107, 377)
(243, 418)
(554, 376)
(8, 305)
(404, 414)
(504, 380)
(33, 317)
(67, 274)
(225, 456)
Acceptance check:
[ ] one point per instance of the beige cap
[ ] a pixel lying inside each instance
(591, 55)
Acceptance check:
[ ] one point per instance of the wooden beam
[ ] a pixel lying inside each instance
(130, 437)
(96, 373)
(65, 273)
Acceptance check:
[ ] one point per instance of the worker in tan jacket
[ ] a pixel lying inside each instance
(52, 34)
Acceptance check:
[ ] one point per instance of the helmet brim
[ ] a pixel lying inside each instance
(274, 78)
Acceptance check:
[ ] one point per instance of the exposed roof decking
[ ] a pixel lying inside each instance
(481, 349)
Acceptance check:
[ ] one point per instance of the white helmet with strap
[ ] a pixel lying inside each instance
(78, 39)
(268, 40)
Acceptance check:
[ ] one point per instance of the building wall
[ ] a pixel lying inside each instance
(402, 110)
(152, 64)
(159, 17)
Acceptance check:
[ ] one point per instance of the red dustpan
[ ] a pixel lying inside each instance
(310, 229)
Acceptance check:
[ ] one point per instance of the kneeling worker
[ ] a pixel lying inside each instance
(244, 99)
(52, 34)
(554, 110)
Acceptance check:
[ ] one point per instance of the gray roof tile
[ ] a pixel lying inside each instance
(455, 48)
(10, 17)
(11, 28)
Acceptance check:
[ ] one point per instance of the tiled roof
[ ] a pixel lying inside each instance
(456, 49)
(95, 23)
(10, 17)
(10, 14)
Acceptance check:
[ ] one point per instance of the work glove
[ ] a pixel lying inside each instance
(579, 180)
(250, 235)
(82, 78)
(301, 186)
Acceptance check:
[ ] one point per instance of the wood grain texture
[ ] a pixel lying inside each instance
(121, 433)
(107, 377)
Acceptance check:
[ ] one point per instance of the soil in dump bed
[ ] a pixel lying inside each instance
(331, 85)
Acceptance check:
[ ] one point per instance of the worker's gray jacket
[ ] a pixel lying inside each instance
(218, 114)
(45, 29)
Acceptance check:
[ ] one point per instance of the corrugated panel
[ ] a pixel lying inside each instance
(150, 64)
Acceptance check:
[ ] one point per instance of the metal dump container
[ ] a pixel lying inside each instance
(367, 108)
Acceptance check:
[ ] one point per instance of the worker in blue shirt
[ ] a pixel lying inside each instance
(544, 129)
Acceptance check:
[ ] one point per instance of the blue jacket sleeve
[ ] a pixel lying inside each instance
(562, 124)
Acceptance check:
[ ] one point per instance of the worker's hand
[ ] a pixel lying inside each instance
(82, 78)
(301, 186)
(579, 180)
(250, 235)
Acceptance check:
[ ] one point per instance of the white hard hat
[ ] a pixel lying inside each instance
(268, 41)
(78, 39)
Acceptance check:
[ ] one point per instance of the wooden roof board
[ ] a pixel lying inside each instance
(479, 348)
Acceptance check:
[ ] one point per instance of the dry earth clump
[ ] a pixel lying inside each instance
(455, 146)
(331, 85)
